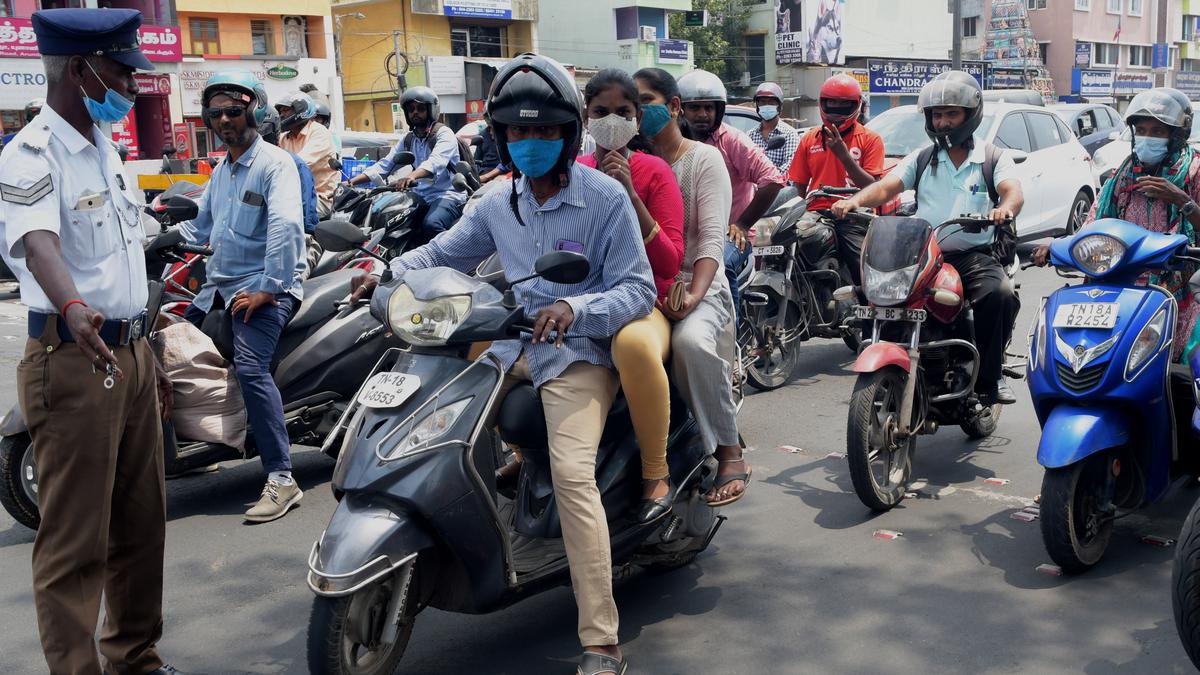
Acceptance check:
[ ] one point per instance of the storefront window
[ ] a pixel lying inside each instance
(205, 37)
(478, 41)
(262, 37)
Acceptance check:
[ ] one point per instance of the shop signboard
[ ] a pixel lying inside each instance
(1188, 83)
(672, 51)
(1094, 83)
(861, 74)
(893, 76)
(125, 133)
(193, 76)
(1128, 84)
(479, 9)
(20, 81)
(446, 75)
(181, 138)
(1083, 54)
(159, 43)
(809, 31)
(154, 85)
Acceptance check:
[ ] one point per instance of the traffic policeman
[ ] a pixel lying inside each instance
(88, 384)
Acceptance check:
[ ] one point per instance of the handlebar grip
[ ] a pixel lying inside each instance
(1192, 251)
(191, 248)
(830, 190)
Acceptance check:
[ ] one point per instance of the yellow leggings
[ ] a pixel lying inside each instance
(639, 351)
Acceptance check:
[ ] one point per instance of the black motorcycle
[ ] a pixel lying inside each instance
(788, 299)
(325, 352)
(420, 521)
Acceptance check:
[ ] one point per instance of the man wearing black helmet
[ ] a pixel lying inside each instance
(557, 204)
(436, 151)
(955, 177)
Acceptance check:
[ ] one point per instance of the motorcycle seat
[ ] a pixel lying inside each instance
(320, 294)
(522, 420)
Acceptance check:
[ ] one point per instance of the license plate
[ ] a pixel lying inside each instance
(1086, 315)
(889, 314)
(388, 390)
(768, 250)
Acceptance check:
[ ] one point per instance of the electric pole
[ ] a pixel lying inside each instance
(956, 48)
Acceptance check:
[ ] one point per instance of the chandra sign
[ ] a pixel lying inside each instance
(159, 43)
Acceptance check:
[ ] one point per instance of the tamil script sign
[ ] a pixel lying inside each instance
(892, 76)
(1131, 83)
(159, 43)
(1188, 83)
(1095, 83)
(479, 9)
(672, 51)
(1083, 54)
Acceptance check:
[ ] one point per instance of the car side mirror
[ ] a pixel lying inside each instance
(180, 208)
(563, 267)
(776, 142)
(339, 235)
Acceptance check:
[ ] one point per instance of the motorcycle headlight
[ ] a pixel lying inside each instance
(1147, 343)
(1037, 339)
(763, 230)
(888, 288)
(426, 323)
(432, 427)
(1096, 254)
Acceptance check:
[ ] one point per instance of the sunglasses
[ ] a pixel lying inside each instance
(232, 112)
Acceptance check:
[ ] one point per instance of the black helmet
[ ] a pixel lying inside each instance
(952, 88)
(33, 108)
(425, 95)
(535, 90)
(268, 128)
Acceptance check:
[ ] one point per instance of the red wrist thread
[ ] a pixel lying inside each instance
(67, 305)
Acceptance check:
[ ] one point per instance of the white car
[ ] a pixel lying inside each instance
(1108, 158)
(1054, 169)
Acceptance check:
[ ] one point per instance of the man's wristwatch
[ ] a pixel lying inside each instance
(1188, 208)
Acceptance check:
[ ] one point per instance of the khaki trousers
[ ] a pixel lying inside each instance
(576, 404)
(101, 496)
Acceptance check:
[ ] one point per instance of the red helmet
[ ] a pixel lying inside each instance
(840, 101)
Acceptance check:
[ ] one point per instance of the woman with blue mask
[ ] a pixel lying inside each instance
(1157, 188)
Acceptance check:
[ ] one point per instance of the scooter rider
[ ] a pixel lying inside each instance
(558, 204)
(841, 152)
(435, 148)
(953, 184)
(756, 182)
(251, 216)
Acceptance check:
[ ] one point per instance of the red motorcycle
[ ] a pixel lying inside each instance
(919, 365)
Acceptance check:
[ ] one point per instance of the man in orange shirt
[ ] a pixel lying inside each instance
(839, 153)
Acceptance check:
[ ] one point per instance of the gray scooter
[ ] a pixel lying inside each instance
(420, 521)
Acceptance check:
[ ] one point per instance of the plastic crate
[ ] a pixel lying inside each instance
(353, 167)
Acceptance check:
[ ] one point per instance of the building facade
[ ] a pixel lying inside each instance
(626, 34)
(452, 46)
(1183, 31)
(285, 43)
(148, 127)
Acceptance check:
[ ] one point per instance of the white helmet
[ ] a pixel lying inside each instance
(701, 86)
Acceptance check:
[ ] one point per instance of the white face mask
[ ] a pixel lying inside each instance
(612, 132)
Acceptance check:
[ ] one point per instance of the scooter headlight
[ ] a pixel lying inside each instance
(1037, 339)
(432, 427)
(426, 323)
(1147, 343)
(1096, 254)
(888, 288)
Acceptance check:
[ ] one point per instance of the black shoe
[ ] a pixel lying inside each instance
(650, 510)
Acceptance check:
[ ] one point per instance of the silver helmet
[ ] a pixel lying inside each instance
(952, 88)
(701, 86)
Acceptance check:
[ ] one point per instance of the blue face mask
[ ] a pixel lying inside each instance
(1151, 150)
(114, 108)
(535, 157)
(768, 112)
(655, 117)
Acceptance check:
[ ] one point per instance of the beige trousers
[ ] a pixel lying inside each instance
(576, 404)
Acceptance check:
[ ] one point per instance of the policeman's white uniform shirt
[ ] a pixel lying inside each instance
(47, 174)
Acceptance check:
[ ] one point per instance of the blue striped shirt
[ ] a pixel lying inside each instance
(591, 215)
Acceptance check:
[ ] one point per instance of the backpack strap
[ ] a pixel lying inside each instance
(991, 155)
(924, 158)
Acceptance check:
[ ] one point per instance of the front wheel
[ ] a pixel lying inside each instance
(18, 480)
(772, 361)
(880, 460)
(981, 423)
(346, 636)
(1076, 517)
(1185, 585)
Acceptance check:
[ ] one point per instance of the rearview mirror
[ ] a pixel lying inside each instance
(776, 142)
(339, 235)
(563, 267)
(459, 182)
(180, 208)
(404, 158)
(476, 141)
(335, 163)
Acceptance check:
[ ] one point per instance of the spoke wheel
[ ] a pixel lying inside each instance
(880, 459)
(770, 361)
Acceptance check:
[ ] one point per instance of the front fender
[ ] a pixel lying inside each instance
(773, 279)
(362, 543)
(13, 423)
(1072, 433)
(879, 355)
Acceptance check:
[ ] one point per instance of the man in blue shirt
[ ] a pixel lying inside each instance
(436, 150)
(251, 216)
(558, 204)
(953, 185)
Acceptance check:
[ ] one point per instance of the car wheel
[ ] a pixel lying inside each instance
(1079, 212)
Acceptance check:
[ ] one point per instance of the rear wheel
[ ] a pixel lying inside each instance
(345, 635)
(880, 460)
(1185, 585)
(18, 480)
(1078, 213)
(1077, 520)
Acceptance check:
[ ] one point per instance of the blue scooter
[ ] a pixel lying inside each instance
(1114, 409)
